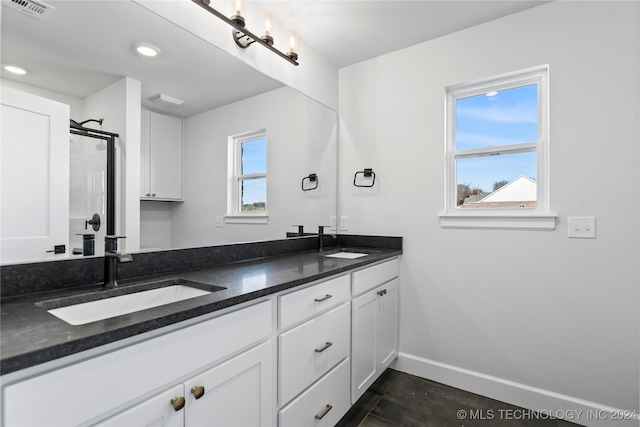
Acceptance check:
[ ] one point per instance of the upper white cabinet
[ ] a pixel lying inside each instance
(161, 157)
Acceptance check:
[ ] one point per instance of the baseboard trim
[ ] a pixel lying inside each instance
(546, 402)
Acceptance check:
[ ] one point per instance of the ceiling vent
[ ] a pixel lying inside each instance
(165, 99)
(36, 8)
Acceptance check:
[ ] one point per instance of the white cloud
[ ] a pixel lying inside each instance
(516, 114)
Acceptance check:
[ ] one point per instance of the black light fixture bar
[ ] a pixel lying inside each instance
(205, 5)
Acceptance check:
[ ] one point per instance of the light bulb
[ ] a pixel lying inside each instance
(267, 26)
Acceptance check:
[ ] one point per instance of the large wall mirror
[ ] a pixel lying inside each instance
(81, 57)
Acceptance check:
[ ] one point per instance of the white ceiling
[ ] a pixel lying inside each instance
(86, 44)
(346, 32)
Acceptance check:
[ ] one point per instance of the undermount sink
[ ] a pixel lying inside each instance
(346, 255)
(105, 305)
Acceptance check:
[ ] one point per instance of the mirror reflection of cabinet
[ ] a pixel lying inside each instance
(34, 154)
(161, 157)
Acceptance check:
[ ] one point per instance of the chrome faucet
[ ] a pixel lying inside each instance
(111, 260)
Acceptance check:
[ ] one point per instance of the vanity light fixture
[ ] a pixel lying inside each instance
(146, 49)
(15, 69)
(243, 37)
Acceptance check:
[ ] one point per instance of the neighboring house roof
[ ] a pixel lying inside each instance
(521, 189)
(475, 198)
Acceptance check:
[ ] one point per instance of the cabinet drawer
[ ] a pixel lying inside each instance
(329, 396)
(128, 373)
(301, 305)
(310, 350)
(370, 277)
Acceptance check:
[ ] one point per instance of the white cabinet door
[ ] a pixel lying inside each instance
(161, 153)
(363, 343)
(145, 150)
(237, 393)
(34, 153)
(387, 324)
(154, 412)
(374, 335)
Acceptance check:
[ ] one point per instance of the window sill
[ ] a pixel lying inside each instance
(499, 221)
(261, 218)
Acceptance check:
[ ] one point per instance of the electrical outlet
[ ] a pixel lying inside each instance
(332, 223)
(219, 221)
(582, 227)
(344, 223)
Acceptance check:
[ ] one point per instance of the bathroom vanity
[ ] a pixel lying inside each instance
(291, 339)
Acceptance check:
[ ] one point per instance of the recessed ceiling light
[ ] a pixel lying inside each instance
(15, 69)
(491, 93)
(146, 49)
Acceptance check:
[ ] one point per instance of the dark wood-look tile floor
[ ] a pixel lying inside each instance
(400, 399)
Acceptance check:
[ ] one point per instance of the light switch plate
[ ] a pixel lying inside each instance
(582, 227)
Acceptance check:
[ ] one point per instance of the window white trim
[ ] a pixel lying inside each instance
(234, 213)
(529, 218)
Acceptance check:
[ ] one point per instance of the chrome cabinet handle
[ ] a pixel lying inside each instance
(324, 298)
(198, 391)
(325, 412)
(177, 403)
(324, 347)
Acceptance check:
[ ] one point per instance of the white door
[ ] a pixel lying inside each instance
(34, 153)
(236, 393)
(158, 411)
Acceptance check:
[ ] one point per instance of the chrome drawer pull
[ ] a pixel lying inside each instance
(324, 298)
(326, 410)
(324, 347)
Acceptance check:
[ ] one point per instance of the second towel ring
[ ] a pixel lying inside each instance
(311, 178)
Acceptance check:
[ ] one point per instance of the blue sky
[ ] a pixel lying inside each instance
(508, 117)
(254, 160)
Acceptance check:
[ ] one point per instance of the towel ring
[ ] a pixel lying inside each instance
(311, 178)
(367, 173)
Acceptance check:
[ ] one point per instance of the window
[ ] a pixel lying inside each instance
(248, 176)
(496, 152)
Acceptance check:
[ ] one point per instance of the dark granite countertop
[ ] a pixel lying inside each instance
(30, 335)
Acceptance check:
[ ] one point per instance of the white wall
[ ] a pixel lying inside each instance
(517, 315)
(120, 106)
(301, 139)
